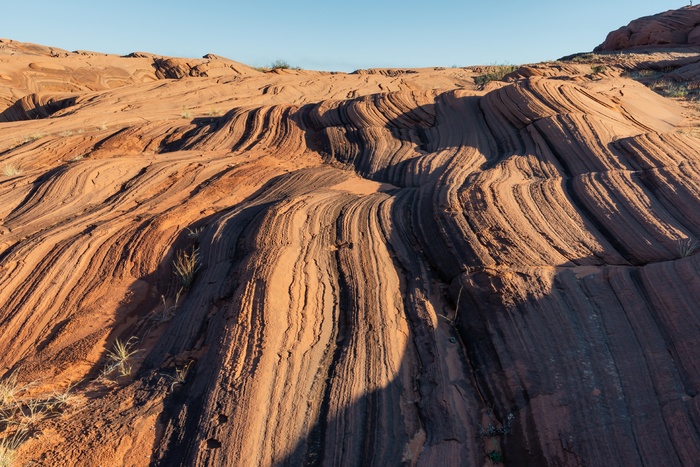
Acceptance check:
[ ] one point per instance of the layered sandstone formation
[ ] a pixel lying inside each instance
(670, 29)
(393, 267)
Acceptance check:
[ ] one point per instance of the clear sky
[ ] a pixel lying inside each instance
(329, 35)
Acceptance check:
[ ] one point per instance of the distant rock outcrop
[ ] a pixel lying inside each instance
(672, 28)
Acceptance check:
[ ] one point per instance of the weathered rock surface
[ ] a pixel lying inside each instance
(669, 29)
(394, 268)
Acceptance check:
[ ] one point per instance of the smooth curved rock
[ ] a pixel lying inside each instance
(672, 28)
(392, 269)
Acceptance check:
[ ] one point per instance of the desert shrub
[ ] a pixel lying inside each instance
(496, 73)
(582, 58)
(280, 65)
(677, 90)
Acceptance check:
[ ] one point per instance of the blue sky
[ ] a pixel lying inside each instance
(329, 35)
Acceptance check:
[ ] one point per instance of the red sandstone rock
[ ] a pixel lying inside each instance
(670, 29)
(394, 267)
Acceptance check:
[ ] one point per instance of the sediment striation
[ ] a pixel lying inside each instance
(392, 267)
(672, 28)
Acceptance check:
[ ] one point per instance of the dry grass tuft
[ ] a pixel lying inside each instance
(11, 170)
(179, 377)
(186, 266)
(11, 391)
(686, 247)
(9, 445)
(194, 233)
(168, 311)
(20, 413)
(120, 357)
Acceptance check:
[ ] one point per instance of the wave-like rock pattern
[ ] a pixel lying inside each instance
(395, 269)
(672, 28)
(30, 74)
(36, 106)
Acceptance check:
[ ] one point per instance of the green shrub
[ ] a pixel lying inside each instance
(496, 73)
(280, 65)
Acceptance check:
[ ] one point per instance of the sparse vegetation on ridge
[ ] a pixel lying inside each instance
(495, 73)
(279, 65)
(598, 69)
(660, 82)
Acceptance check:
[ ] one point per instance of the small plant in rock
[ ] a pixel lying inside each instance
(31, 138)
(185, 113)
(168, 311)
(194, 233)
(120, 357)
(19, 412)
(32, 411)
(179, 377)
(9, 445)
(57, 401)
(598, 69)
(11, 170)
(186, 266)
(11, 390)
(686, 247)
